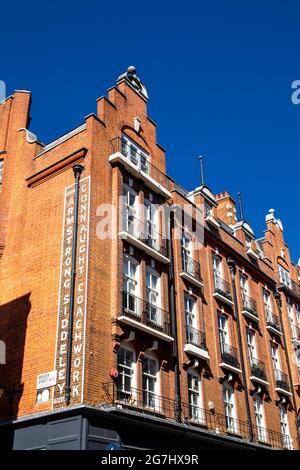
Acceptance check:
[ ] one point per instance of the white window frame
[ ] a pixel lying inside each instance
(284, 276)
(130, 395)
(131, 285)
(284, 425)
(149, 401)
(152, 293)
(195, 397)
(275, 356)
(223, 329)
(1, 169)
(130, 214)
(260, 418)
(251, 344)
(230, 408)
(217, 265)
(135, 154)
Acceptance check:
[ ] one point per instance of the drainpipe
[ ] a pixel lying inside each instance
(279, 308)
(77, 169)
(172, 300)
(232, 268)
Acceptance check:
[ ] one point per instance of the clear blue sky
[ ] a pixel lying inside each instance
(218, 73)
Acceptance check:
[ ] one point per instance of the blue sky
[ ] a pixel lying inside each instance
(218, 74)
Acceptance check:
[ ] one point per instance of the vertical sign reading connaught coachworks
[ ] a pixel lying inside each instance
(80, 300)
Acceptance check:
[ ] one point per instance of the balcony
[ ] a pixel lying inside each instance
(145, 316)
(229, 357)
(291, 287)
(140, 235)
(295, 334)
(282, 383)
(258, 373)
(116, 398)
(273, 323)
(210, 220)
(191, 271)
(222, 290)
(252, 253)
(139, 166)
(196, 343)
(250, 308)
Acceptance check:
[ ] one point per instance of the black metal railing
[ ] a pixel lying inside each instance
(295, 332)
(196, 337)
(143, 400)
(229, 355)
(282, 381)
(249, 305)
(222, 287)
(140, 160)
(144, 232)
(273, 320)
(258, 369)
(145, 313)
(291, 287)
(191, 267)
(295, 288)
(148, 402)
(217, 422)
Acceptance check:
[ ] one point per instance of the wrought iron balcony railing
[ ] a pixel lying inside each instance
(145, 233)
(222, 287)
(191, 267)
(146, 313)
(229, 355)
(150, 403)
(273, 320)
(196, 337)
(140, 160)
(282, 380)
(258, 369)
(250, 305)
(291, 287)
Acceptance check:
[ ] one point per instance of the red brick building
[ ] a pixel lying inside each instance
(132, 310)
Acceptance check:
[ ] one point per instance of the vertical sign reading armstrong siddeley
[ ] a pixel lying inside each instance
(79, 320)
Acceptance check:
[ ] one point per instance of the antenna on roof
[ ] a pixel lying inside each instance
(201, 171)
(242, 217)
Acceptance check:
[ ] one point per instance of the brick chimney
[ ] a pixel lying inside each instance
(226, 210)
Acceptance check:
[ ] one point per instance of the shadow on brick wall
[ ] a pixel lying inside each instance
(13, 325)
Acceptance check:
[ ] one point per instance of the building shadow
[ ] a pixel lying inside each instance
(13, 325)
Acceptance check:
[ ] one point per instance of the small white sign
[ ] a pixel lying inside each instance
(46, 380)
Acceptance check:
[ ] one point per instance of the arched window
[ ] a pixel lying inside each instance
(196, 412)
(150, 382)
(126, 369)
(230, 410)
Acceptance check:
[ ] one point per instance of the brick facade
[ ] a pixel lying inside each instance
(31, 215)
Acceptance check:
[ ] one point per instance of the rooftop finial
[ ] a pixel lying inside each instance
(242, 217)
(201, 170)
(131, 77)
